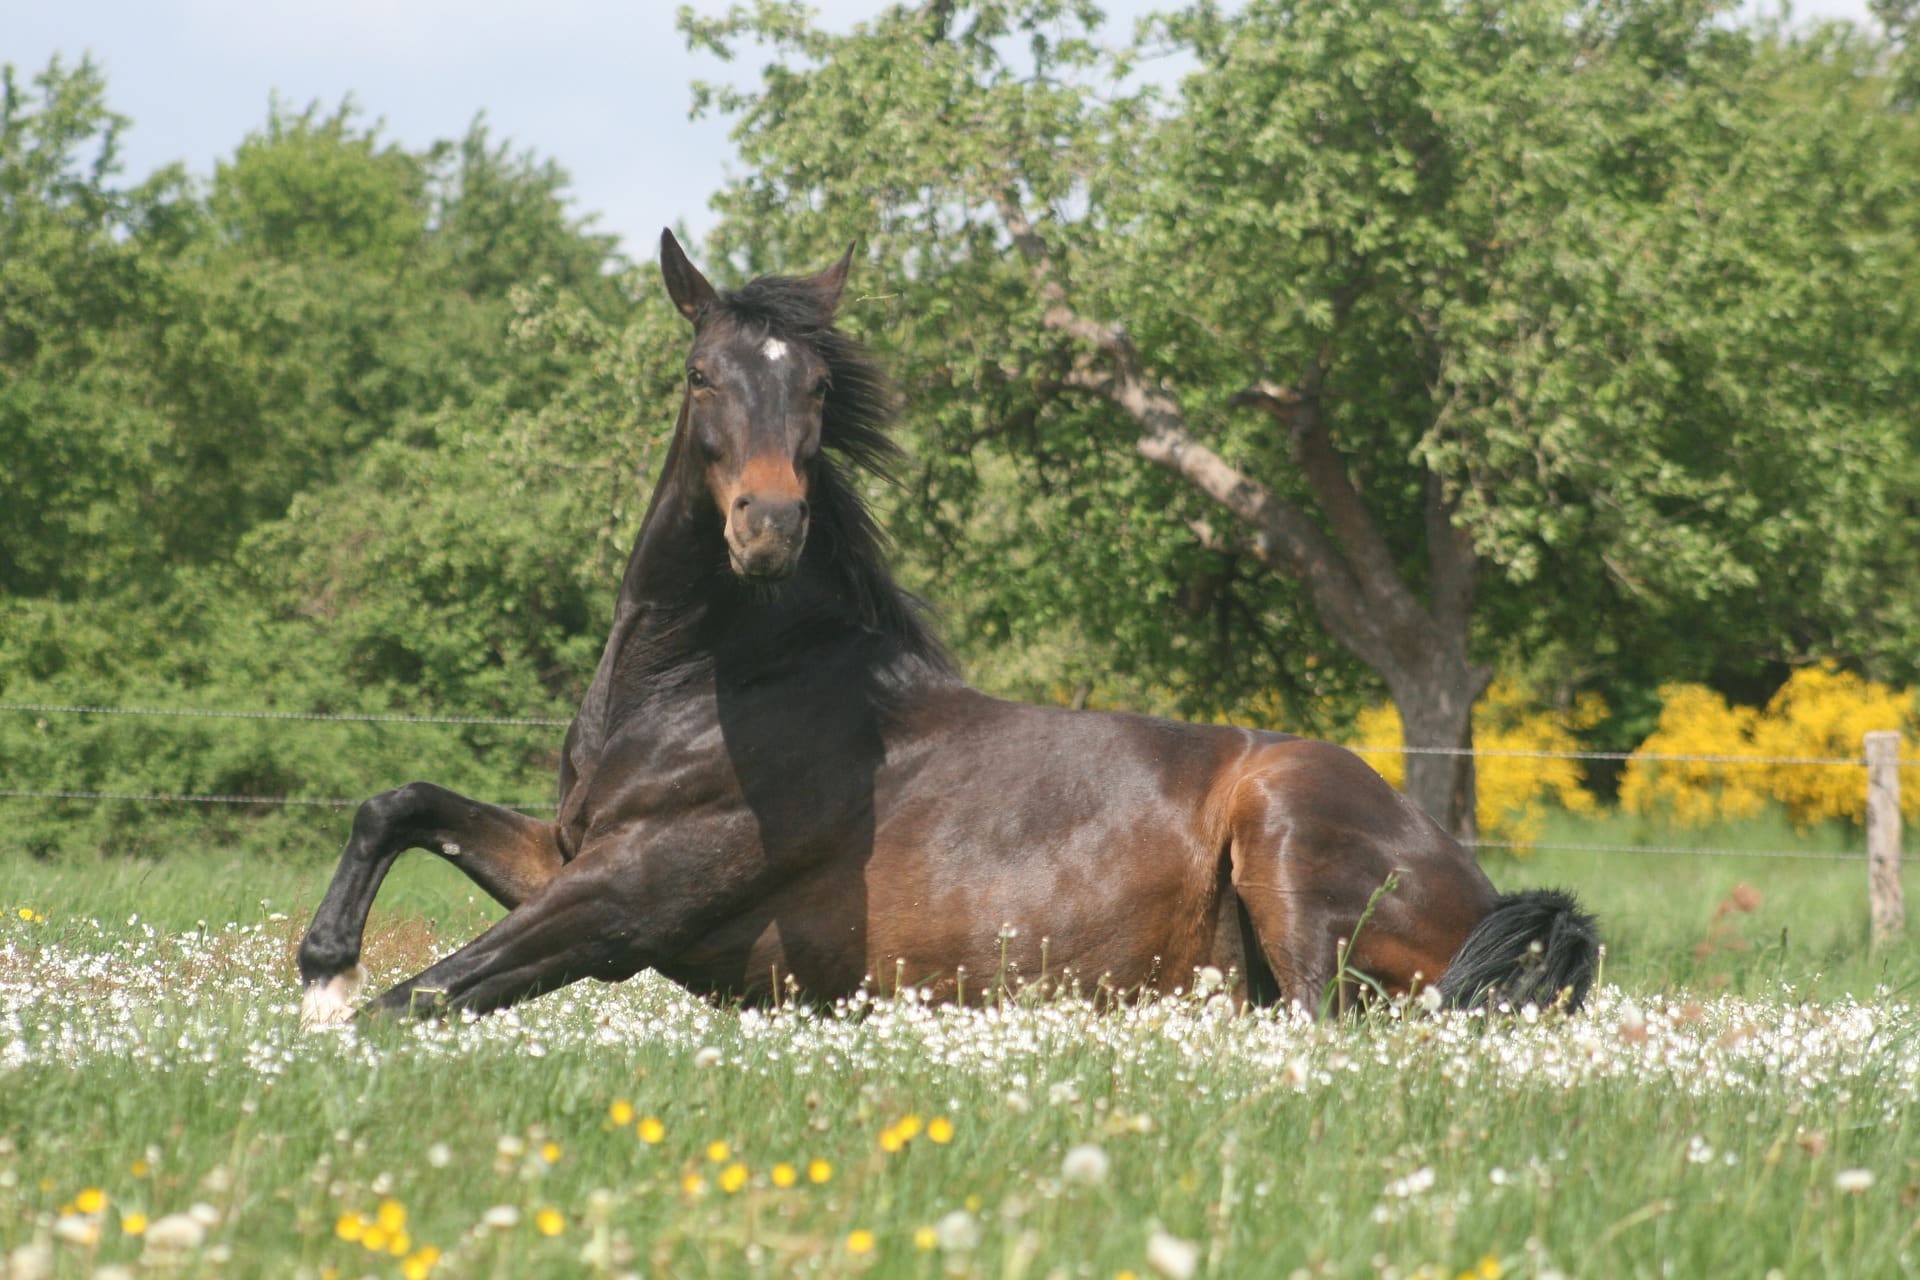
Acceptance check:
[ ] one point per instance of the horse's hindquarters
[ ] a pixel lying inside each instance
(1326, 855)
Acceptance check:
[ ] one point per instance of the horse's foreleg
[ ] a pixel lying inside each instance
(507, 854)
(584, 924)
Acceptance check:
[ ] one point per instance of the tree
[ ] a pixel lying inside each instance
(1559, 314)
(307, 435)
(74, 287)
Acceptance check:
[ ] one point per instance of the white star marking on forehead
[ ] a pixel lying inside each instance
(774, 349)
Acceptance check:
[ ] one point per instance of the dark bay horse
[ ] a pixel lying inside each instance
(778, 783)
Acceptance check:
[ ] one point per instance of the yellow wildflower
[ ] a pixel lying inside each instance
(391, 1214)
(1489, 1268)
(860, 1241)
(621, 1113)
(651, 1131)
(908, 1127)
(784, 1175)
(26, 913)
(733, 1177)
(718, 1151)
(926, 1239)
(940, 1130)
(139, 1168)
(350, 1227)
(891, 1141)
(694, 1185)
(420, 1265)
(399, 1244)
(91, 1200)
(548, 1222)
(819, 1171)
(134, 1224)
(374, 1238)
(550, 1152)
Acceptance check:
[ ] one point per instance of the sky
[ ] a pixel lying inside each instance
(600, 86)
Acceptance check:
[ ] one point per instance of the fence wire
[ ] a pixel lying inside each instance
(344, 717)
(167, 797)
(341, 802)
(185, 797)
(353, 717)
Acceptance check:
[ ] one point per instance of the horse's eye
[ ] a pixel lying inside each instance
(821, 388)
(697, 379)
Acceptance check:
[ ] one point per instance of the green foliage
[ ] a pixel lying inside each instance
(282, 442)
(351, 426)
(1629, 283)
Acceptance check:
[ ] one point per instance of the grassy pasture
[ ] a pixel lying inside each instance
(1740, 1098)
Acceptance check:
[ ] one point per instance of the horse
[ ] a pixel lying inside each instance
(778, 784)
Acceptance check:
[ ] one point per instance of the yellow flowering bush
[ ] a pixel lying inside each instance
(1695, 721)
(1512, 793)
(1820, 713)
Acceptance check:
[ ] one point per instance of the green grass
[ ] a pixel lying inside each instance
(1706, 1142)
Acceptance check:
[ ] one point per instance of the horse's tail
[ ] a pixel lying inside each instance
(1536, 947)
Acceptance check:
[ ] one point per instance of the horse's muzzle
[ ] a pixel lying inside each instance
(765, 536)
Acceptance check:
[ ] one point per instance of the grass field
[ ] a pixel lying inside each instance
(1739, 1098)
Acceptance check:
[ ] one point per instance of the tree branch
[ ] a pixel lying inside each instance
(1453, 565)
(1297, 409)
(1283, 537)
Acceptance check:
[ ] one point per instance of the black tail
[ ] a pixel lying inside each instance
(1529, 949)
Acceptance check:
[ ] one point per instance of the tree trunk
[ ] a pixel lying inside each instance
(1436, 712)
(1417, 641)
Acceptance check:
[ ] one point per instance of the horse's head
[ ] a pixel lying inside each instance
(756, 398)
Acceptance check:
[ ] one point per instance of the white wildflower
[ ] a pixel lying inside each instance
(1172, 1257)
(173, 1234)
(30, 1262)
(1853, 1181)
(501, 1216)
(958, 1232)
(1085, 1165)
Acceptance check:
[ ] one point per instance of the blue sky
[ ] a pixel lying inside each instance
(598, 85)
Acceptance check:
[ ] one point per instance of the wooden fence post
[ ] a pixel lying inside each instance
(1884, 896)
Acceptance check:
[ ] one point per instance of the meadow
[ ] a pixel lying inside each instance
(1738, 1099)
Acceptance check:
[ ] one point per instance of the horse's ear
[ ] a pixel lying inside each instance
(685, 285)
(830, 282)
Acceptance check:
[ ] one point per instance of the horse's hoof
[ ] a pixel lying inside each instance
(329, 1002)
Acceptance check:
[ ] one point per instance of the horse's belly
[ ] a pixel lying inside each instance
(905, 919)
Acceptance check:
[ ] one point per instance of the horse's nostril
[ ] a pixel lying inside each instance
(742, 502)
(804, 512)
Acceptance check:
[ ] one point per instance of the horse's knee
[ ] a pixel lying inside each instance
(379, 820)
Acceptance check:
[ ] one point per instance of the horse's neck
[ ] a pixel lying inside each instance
(657, 590)
(677, 608)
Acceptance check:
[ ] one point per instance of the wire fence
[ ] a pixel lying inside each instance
(372, 717)
(341, 717)
(400, 718)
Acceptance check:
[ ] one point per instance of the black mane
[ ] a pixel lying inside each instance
(854, 433)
